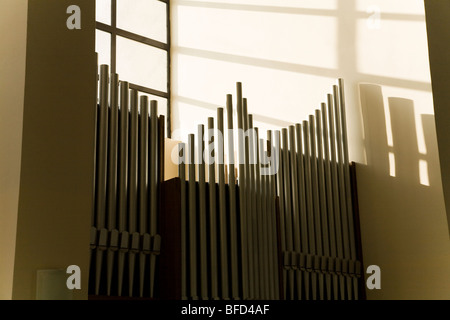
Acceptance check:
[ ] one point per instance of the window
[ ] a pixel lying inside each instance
(133, 38)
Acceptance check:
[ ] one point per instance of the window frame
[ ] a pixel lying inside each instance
(114, 31)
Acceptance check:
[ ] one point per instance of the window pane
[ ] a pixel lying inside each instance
(103, 11)
(103, 47)
(142, 64)
(144, 17)
(162, 102)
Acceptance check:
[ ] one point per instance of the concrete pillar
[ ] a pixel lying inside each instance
(57, 156)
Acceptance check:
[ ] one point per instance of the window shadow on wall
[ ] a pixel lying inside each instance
(401, 195)
(402, 158)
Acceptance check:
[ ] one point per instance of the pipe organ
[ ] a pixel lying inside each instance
(124, 234)
(271, 218)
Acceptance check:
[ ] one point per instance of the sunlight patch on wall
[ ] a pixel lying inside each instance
(279, 94)
(262, 35)
(306, 4)
(423, 171)
(404, 52)
(387, 115)
(396, 6)
(391, 164)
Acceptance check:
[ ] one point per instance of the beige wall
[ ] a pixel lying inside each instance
(404, 226)
(56, 183)
(288, 55)
(13, 30)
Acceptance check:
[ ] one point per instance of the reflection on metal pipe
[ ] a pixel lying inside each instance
(295, 207)
(143, 185)
(202, 213)
(133, 187)
(112, 179)
(153, 186)
(222, 211)
(245, 178)
(183, 206)
(192, 219)
(336, 204)
(288, 206)
(102, 172)
(233, 206)
(323, 205)
(347, 182)
(212, 210)
(246, 290)
(253, 225)
(123, 179)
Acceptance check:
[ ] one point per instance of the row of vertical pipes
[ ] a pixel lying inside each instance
(318, 235)
(275, 223)
(124, 225)
(234, 254)
(283, 226)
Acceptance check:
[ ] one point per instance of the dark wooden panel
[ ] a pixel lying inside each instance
(357, 226)
(168, 278)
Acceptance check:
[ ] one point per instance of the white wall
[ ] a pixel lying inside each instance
(288, 55)
(13, 29)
